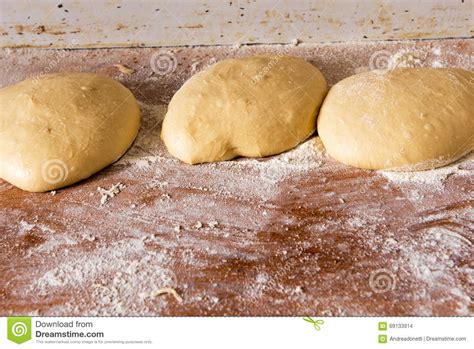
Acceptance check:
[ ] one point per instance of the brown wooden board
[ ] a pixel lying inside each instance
(293, 234)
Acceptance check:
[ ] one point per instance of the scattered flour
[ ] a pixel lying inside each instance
(308, 156)
(271, 246)
(107, 194)
(433, 178)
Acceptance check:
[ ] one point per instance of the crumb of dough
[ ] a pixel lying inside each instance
(89, 237)
(198, 225)
(194, 67)
(295, 42)
(167, 290)
(213, 224)
(53, 192)
(165, 197)
(107, 194)
(124, 69)
(298, 289)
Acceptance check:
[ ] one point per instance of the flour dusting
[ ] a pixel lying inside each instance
(434, 178)
(288, 234)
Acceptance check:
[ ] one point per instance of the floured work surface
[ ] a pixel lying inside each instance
(292, 234)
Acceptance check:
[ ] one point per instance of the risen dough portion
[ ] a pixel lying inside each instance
(403, 119)
(61, 128)
(254, 106)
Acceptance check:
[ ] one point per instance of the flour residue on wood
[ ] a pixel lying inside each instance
(434, 178)
(288, 234)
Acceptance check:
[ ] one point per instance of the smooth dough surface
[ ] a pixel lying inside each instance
(402, 119)
(253, 106)
(60, 128)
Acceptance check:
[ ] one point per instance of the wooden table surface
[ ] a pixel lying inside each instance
(293, 234)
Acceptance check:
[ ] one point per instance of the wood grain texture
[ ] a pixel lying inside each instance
(294, 234)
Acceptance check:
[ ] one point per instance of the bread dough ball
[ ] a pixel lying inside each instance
(60, 128)
(402, 119)
(253, 106)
